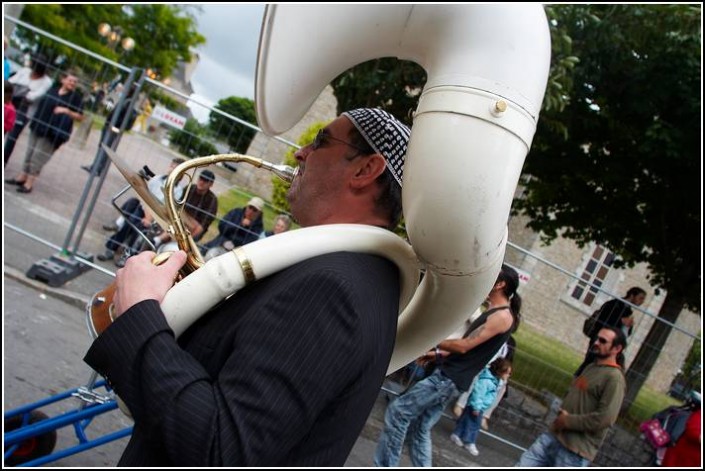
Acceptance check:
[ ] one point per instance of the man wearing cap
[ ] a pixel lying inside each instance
(240, 226)
(200, 208)
(286, 371)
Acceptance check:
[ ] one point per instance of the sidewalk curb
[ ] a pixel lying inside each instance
(69, 297)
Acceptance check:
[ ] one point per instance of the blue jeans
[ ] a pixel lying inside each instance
(422, 404)
(468, 425)
(548, 451)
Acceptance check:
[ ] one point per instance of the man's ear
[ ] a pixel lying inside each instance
(367, 170)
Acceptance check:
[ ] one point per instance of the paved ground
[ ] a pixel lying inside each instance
(45, 334)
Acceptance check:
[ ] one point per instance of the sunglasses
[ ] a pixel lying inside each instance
(323, 136)
(252, 208)
(602, 340)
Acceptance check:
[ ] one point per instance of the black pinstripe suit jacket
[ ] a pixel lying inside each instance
(284, 373)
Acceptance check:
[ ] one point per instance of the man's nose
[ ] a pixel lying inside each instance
(301, 154)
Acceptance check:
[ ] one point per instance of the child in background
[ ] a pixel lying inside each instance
(10, 112)
(483, 394)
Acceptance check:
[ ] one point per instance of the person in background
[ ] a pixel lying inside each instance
(463, 359)
(503, 389)
(484, 392)
(589, 409)
(51, 127)
(29, 85)
(688, 449)
(124, 234)
(10, 113)
(614, 313)
(109, 133)
(6, 68)
(506, 352)
(282, 223)
(240, 226)
(200, 208)
(145, 113)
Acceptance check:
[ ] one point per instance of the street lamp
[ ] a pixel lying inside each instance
(113, 35)
(152, 74)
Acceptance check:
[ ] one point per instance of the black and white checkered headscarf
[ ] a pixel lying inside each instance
(385, 134)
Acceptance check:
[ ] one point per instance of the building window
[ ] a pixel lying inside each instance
(595, 272)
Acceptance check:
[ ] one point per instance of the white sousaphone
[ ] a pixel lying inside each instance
(487, 69)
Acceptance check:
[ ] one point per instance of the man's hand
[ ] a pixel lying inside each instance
(246, 222)
(141, 280)
(560, 422)
(193, 226)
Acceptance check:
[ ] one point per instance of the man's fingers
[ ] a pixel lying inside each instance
(175, 261)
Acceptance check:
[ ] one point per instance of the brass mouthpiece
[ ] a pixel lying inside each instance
(285, 172)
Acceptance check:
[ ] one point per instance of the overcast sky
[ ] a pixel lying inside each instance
(227, 60)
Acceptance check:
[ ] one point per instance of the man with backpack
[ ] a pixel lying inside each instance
(614, 313)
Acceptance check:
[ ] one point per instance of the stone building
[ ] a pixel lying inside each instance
(556, 304)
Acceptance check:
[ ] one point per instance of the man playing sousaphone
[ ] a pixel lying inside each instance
(285, 372)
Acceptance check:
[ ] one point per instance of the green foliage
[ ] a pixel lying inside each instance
(541, 362)
(692, 366)
(390, 84)
(628, 173)
(163, 34)
(236, 135)
(191, 140)
(279, 187)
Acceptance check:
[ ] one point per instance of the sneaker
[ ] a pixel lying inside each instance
(456, 439)
(472, 449)
(87, 168)
(485, 425)
(110, 227)
(108, 255)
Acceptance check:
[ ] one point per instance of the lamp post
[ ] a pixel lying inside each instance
(113, 35)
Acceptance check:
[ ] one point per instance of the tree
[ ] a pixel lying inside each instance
(386, 83)
(238, 136)
(191, 140)
(163, 34)
(627, 174)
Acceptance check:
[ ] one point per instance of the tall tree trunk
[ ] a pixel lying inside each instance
(651, 348)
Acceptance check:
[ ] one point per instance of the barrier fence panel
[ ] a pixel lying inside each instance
(561, 284)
